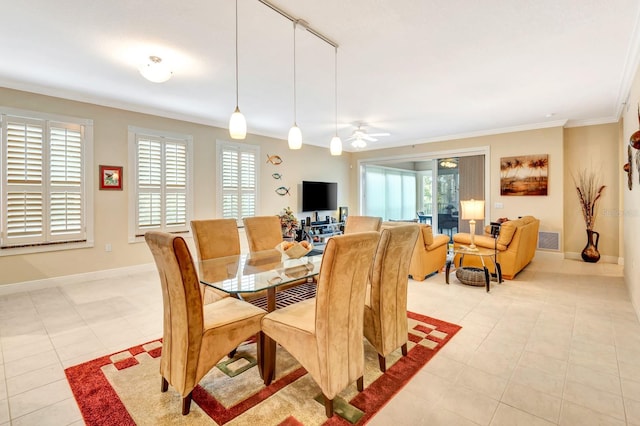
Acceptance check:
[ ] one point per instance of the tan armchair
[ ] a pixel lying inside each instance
(362, 224)
(385, 310)
(215, 238)
(195, 336)
(263, 232)
(430, 253)
(325, 333)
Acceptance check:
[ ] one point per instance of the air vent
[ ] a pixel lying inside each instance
(549, 240)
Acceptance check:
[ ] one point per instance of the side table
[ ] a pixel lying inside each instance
(482, 253)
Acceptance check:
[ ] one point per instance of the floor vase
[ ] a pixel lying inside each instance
(590, 252)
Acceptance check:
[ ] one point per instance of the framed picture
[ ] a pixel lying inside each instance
(524, 175)
(111, 177)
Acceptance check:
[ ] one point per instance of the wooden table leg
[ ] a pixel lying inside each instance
(268, 345)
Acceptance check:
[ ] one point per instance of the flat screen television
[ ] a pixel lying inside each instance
(318, 196)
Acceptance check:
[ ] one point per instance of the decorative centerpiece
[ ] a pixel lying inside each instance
(589, 192)
(294, 250)
(288, 222)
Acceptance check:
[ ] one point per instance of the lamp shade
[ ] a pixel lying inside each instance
(237, 125)
(295, 137)
(155, 70)
(472, 209)
(336, 146)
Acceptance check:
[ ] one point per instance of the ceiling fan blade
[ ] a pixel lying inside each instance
(368, 138)
(379, 134)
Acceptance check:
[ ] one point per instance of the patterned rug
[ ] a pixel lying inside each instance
(124, 388)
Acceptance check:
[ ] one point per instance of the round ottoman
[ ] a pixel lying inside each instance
(471, 276)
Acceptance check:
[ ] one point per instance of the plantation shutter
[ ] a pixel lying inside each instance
(239, 181)
(43, 185)
(66, 211)
(161, 185)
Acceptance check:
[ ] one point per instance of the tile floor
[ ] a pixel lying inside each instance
(558, 345)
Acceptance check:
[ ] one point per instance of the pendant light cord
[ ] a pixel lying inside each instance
(295, 107)
(236, 54)
(336, 86)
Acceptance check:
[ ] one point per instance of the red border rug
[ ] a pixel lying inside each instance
(100, 403)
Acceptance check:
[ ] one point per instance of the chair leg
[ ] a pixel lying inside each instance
(164, 385)
(383, 363)
(360, 383)
(232, 353)
(404, 349)
(186, 404)
(328, 406)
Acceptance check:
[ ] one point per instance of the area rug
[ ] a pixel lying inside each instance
(124, 388)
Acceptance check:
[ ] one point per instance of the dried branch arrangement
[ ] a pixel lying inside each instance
(589, 192)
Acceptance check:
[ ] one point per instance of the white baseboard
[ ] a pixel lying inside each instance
(73, 279)
(605, 259)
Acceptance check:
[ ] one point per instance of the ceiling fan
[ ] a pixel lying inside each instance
(360, 137)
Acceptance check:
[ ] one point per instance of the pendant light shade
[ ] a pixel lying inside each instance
(295, 134)
(336, 146)
(295, 137)
(237, 125)
(237, 122)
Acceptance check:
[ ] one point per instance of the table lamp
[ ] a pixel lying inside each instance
(472, 210)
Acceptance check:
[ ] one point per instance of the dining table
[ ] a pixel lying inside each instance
(257, 273)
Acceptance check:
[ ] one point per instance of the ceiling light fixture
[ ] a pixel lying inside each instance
(295, 134)
(448, 163)
(155, 70)
(237, 122)
(336, 144)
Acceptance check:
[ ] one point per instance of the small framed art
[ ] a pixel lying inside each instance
(111, 177)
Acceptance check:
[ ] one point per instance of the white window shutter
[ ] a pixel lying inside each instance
(239, 177)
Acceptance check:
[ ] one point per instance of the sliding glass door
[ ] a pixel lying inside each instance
(428, 190)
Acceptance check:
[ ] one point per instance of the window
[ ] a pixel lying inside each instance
(45, 184)
(389, 193)
(237, 180)
(161, 181)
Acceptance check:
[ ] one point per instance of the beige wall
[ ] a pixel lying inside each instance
(111, 207)
(548, 209)
(593, 148)
(631, 198)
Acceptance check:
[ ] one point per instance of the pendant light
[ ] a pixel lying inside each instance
(295, 135)
(237, 122)
(336, 144)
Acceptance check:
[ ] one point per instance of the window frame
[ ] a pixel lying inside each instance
(51, 242)
(133, 133)
(242, 147)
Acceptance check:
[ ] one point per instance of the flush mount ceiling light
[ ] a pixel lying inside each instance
(155, 70)
(448, 163)
(237, 122)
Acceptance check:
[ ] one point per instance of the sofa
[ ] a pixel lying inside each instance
(430, 252)
(516, 245)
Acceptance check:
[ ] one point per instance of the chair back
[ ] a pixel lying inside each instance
(340, 307)
(362, 224)
(183, 315)
(263, 232)
(386, 327)
(215, 238)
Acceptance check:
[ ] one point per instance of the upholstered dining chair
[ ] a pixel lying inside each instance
(325, 333)
(263, 232)
(195, 336)
(385, 310)
(215, 238)
(362, 224)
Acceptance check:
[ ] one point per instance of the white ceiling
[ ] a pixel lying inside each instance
(421, 70)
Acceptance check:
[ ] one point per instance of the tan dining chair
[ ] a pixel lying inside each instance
(263, 232)
(362, 224)
(195, 336)
(215, 238)
(325, 333)
(385, 310)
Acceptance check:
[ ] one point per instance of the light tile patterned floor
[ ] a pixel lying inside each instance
(547, 348)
